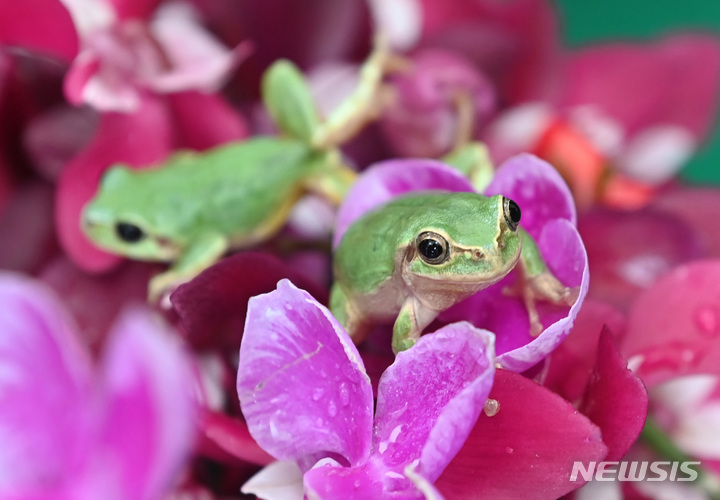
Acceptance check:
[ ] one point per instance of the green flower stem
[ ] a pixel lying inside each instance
(662, 444)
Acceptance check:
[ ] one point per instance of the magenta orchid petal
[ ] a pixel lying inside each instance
(537, 187)
(140, 138)
(673, 327)
(388, 179)
(149, 426)
(527, 449)
(674, 81)
(573, 361)
(426, 414)
(134, 9)
(41, 25)
(227, 440)
(205, 120)
(301, 382)
(615, 399)
(212, 307)
(45, 379)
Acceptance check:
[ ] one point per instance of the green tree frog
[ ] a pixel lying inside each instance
(193, 208)
(421, 253)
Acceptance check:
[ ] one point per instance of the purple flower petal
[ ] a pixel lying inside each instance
(429, 399)
(328, 480)
(507, 316)
(385, 180)
(301, 383)
(149, 425)
(45, 381)
(537, 187)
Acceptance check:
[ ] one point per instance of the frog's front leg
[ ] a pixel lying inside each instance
(201, 254)
(411, 321)
(538, 283)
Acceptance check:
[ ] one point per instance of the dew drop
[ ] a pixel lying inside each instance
(509, 450)
(492, 407)
(319, 423)
(356, 484)
(318, 393)
(332, 409)
(706, 321)
(344, 394)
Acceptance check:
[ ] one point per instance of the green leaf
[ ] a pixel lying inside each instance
(288, 100)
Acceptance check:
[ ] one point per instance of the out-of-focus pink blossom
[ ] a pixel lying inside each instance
(438, 95)
(548, 214)
(130, 48)
(69, 429)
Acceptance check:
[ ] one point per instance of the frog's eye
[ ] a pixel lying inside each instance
(511, 211)
(433, 248)
(129, 233)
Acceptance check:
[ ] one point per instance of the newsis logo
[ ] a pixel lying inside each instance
(635, 471)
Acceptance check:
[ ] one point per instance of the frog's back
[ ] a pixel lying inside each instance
(232, 189)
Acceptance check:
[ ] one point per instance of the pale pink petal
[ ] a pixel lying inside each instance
(526, 450)
(197, 60)
(42, 25)
(149, 426)
(657, 153)
(137, 139)
(385, 180)
(45, 384)
(429, 399)
(301, 383)
(674, 326)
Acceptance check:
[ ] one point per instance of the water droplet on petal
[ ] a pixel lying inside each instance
(344, 394)
(706, 321)
(357, 484)
(492, 407)
(319, 422)
(509, 450)
(318, 393)
(332, 409)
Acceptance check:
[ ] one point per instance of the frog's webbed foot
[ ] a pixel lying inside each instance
(543, 286)
(411, 321)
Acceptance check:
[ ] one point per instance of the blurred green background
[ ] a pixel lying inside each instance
(589, 21)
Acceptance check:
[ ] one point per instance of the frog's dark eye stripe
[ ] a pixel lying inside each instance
(129, 233)
(511, 211)
(432, 247)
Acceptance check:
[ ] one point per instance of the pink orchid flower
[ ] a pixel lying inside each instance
(306, 397)
(548, 214)
(121, 429)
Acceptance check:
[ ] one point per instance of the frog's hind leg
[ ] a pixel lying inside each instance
(538, 283)
(348, 316)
